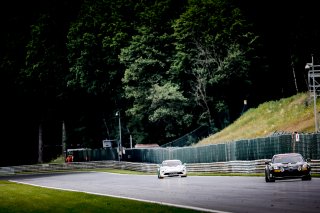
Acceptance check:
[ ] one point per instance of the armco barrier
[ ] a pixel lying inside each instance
(256, 166)
(228, 167)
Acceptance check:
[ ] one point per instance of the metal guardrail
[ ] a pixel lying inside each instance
(256, 166)
(247, 167)
(229, 167)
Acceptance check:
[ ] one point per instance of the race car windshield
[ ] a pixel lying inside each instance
(287, 159)
(172, 163)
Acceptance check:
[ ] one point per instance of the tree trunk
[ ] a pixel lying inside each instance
(64, 137)
(40, 145)
(294, 75)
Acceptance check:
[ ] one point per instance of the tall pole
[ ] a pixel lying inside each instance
(312, 74)
(120, 131)
(120, 142)
(314, 99)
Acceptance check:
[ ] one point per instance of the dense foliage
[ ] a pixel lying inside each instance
(168, 66)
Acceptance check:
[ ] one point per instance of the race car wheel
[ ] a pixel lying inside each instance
(308, 177)
(268, 178)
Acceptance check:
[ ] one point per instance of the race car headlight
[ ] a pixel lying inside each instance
(275, 167)
(299, 168)
(304, 167)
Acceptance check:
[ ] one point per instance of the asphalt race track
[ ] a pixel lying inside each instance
(212, 194)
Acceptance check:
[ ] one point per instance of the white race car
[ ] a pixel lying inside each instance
(169, 168)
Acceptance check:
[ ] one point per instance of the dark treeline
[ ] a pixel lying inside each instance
(167, 66)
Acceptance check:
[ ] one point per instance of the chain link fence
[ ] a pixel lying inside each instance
(254, 149)
(190, 138)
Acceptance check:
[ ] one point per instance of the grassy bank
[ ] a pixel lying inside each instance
(286, 115)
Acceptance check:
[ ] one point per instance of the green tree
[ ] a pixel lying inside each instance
(147, 80)
(94, 42)
(43, 79)
(146, 84)
(167, 109)
(213, 41)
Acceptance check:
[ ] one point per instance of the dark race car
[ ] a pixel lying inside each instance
(289, 165)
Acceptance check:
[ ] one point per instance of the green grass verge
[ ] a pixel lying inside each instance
(123, 171)
(24, 198)
(120, 171)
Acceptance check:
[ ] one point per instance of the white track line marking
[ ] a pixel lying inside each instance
(122, 197)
